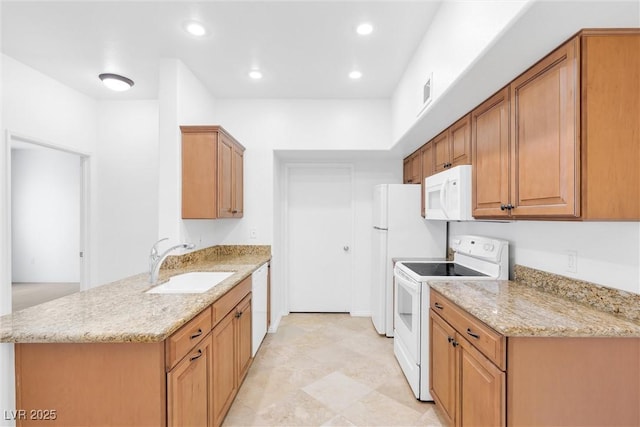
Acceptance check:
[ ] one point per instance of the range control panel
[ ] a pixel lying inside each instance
(479, 247)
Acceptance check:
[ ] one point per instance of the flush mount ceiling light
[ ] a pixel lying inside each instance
(195, 28)
(255, 74)
(364, 29)
(355, 75)
(116, 82)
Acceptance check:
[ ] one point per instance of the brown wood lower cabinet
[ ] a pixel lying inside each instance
(231, 357)
(190, 388)
(529, 381)
(466, 385)
(190, 379)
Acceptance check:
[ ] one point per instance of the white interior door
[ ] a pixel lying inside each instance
(319, 232)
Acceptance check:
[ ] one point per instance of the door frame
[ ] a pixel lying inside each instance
(285, 229)
(85, 197)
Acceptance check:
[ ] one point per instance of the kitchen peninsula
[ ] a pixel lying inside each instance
(120, 356)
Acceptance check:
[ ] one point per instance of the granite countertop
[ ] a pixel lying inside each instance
(518, 310)
(122, 312)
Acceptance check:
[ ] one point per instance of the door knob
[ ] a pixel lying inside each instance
(345, 248)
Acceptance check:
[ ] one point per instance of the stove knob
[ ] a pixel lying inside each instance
(488, 247)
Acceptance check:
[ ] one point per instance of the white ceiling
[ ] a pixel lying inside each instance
(305, 49)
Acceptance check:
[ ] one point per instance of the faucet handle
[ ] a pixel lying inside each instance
(154, 248)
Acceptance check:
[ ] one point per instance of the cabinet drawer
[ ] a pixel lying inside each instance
(485, 339)
(179, 344)
(229, 300)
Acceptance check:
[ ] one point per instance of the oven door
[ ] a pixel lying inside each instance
(406, 339)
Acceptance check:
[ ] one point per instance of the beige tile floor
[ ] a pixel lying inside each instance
(327, 370)
(26, 295)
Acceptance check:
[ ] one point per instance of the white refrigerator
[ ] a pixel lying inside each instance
(399, 231)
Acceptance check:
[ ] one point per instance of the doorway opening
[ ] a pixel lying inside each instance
(47, 214)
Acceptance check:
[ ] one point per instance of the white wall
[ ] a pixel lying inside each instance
(126, 182)
(7, 385)
(608, 252)
(457, 35)
(263, 126)
(518, 34)
(318, 131)
(45, 216)
(183, 100)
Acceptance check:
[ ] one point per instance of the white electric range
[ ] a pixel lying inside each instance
(475, 258)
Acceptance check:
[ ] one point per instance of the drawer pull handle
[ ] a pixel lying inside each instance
(197, 356)
(470, 333)
(438, 306)
(197, 334)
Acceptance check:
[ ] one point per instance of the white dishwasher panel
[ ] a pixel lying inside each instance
(258, 307)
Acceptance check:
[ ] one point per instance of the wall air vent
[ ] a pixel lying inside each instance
(427, 93)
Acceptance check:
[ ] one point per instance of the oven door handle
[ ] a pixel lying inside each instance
(412, 286)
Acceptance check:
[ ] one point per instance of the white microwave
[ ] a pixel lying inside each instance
(448, 195)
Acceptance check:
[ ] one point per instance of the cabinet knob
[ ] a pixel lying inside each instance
(238, 314)
(455, 343)
(234, 211)
(450, 339)
(502, 207)
(509, 206)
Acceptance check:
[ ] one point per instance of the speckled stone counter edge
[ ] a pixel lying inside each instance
(213, 253)
(614, 301)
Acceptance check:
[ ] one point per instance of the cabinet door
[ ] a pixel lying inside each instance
(190, 388)
(225, 177)
(442, 369)
(416, 167)
(243, 337)
(611, 125)
(406, 170)
(237, 164)
(441, 151)
(224, 376)
(460, 141)
(199, 178)
(544, 137)
(481, 388)
(427, 168)
(490, 154)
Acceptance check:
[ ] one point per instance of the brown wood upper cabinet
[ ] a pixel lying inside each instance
(453, 146)
(212, 173)
(412, 169)
(490, 155)
(571, 148)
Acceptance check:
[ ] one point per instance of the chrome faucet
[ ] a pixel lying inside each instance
(155, 259)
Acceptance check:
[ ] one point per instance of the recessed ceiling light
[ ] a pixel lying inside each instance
(364, 29)
(255, 74)
(116, 82)
(355, 75)
(195, 28)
